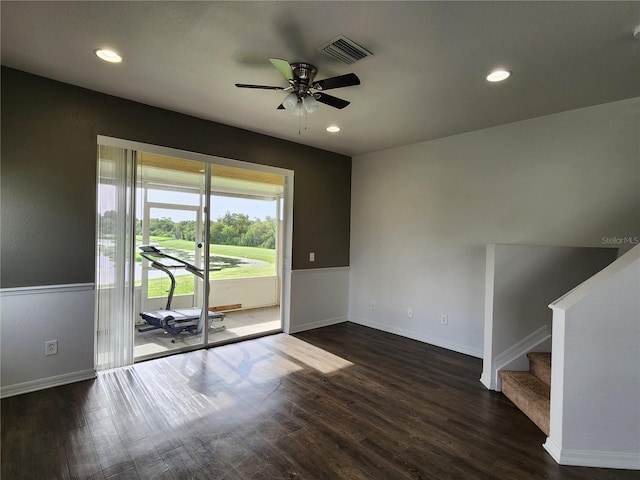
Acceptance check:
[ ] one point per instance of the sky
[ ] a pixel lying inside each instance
(219, 205)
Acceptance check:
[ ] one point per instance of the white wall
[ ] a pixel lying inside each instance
(31, 316)
(521, 282)
(422, 214)
(595, 378)
(319, 297)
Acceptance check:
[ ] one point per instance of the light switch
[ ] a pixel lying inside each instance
(312, 257)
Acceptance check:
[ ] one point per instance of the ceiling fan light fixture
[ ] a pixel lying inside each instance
(498, 75)
(310, 103)
(108, 55)
(290, 101)
(298, 110)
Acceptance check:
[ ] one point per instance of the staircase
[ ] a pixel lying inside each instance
(531, 391)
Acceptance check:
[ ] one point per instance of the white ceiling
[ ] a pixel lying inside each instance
(425, 80)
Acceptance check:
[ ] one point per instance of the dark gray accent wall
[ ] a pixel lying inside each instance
(48, 181)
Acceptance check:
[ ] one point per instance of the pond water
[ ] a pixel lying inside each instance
(107, 266)
(215, 261)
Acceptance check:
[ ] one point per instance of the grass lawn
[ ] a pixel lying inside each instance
(159, 287)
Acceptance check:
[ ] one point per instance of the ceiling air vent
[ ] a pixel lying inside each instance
(345, 50)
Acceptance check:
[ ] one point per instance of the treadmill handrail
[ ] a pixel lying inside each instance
(152, 254)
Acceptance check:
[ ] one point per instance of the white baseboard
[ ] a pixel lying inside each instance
(317, 324)
(523, 346)
(455, 347)
(590, 458)
(485, 379)
(586, 458)
(552, 449)
(42, 383)
(513, 353)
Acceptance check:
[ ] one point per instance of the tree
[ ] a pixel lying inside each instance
(261, 234)
(230, 229)
(187, 229)
(162, 227)
(108, 222)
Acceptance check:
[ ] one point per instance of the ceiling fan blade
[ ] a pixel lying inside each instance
(331, 101)
(262, 87)
(283, 67)
(347, 80)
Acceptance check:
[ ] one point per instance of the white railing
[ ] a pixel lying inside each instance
(595, 373)
(250, 292)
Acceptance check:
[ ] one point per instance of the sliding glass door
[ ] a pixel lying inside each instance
(170, 234)
(245, 247)
(196, 258)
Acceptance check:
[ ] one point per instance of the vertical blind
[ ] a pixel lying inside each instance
(115, 273)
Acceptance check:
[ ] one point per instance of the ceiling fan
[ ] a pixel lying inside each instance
(305, 93)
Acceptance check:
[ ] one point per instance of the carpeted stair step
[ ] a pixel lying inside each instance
(540, 365)
(529, 394)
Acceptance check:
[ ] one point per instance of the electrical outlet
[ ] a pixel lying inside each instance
(410, 312)
(444, 319)
(372, 305)
(51, 347)
(312, 257)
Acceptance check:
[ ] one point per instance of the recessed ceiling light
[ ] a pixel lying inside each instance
(498, 75)
(333, 128)
(108, 55)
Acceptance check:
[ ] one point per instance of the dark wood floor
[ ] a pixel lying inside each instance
(341, 402)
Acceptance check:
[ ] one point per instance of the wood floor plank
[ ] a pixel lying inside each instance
(215, 470)
(341, 402)
(129, 474)
(227, 448)
(81, 455)
(181, 462)
(16, 439)
(111, 452)
(51, 464)
(316, 460)
(147, 461)
(17, 469)
(47, 432)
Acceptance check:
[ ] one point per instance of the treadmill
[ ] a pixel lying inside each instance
(177, 320)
